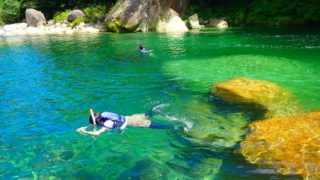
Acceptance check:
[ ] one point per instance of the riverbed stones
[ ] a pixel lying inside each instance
(171, 23)
(289, 144)
(74, 15)
(193, 22)
(34, 17)
(274, 99)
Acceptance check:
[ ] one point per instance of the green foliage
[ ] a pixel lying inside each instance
(9, 11)
(258, 12)
(93, 13)
(77, 21)
(61, 16)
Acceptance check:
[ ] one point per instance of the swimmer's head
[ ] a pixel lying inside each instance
(96, 116)
(141, 47)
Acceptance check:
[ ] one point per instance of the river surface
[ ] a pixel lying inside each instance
(48, 84)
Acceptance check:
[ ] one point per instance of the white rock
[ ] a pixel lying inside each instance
(51, 22)
(57, 25)
(171, 23)
(2, 32)
(64, 25)
(222, 24)
(69, 31)
(20, 32)
(14, 27)
(193, 22)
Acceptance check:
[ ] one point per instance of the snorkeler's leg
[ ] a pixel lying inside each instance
(160, 126)
(155, 109)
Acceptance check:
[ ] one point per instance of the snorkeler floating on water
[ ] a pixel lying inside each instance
(142, 49)
(113, 121)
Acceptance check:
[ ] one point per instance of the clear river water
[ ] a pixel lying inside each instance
(48, 84)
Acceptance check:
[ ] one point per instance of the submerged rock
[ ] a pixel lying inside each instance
(216, 130)
(170, 23)
(34, 18)
(267, 95)
(289, 144)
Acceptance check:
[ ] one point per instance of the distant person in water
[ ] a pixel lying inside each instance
(142, 49)
(112, 121)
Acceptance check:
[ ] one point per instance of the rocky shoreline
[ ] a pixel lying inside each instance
(36, 24)
(22, 29)
(123, 17)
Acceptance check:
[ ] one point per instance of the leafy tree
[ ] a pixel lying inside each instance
(9, 11)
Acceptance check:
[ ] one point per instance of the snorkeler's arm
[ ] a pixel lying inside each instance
(94, 132)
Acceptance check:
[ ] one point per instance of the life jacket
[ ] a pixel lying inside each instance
(117, 120)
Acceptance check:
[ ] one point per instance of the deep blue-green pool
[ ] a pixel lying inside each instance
(48, 84)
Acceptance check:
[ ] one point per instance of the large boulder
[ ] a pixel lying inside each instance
(34, 17)
(74, 15)
(171, 23)
(143, 15)
(266, 95)
(193, 22)
(131, 16)
(291, 144)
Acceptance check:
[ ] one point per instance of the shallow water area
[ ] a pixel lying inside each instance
(50, 82)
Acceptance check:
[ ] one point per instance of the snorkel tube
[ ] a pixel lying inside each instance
(92, 115)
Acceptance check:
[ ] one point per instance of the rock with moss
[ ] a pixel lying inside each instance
(75, 14)
(131, 16)
(273, 99)
(134, 16)
(291, 144)
(34, 17)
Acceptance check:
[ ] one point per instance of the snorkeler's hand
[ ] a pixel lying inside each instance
(81, 130)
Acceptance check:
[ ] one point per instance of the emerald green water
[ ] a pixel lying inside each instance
(48, 83)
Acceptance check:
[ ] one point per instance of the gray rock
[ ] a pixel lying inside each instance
(34, 17)
(74, 15)
(193, 22)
